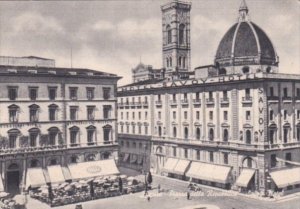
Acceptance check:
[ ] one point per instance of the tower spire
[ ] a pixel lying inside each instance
(243, 10)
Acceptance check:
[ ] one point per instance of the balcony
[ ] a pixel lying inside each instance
(145, 104)
(126, 105)
(297, 98)
(173, 102)
(273, 98)
(225, 101)
(132, 104)
(121, 105)
(197, 101)
(286, 99)
(16, 150)
(158, 103)
(210, 101)
(247, 100)
(138, 104)
(184, 102)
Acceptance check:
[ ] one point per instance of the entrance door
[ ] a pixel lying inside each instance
(13, 181)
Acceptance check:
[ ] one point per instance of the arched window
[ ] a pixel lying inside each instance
(33, 113)
(181, 33)
(74, 135)
(211, 134)
(12, 137)
(285, 135)
(33, 136)
(73, 159)
(53, 132)
(169, 34)
(246, 70)
(222, 71)
(248, 137)
(159, 131)
(107, 134)
(170, 62)
(91, 134)
(179, 61)
(272, 136)
(183, 62)
(186, 133)
(159, 150)
(53, 162)
(35, 163)
(174, 132)
(13, 113)
(105, 155)
(198, 133)
(225, 135)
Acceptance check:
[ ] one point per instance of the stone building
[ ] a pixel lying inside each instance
(53, 116)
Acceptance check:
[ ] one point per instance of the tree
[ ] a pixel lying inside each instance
(149, 178)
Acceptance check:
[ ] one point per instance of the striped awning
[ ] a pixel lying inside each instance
(170, 165)
(245, 177)
(286, 177)
(35, 178)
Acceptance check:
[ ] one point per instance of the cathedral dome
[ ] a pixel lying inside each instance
(245, 44)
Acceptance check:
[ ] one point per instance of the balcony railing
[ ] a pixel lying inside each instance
(247, 100)
(121, 105)
(196, 101)
(297, 98)
(286, 99)
(158, 103)
(31, 149)
(273, 98)
(225, 100)
(210, 101)
(173, 102)
(184, 101)
(145, 104)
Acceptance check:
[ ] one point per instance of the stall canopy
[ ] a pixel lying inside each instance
(170, 165)
(181, 167)
(283, 178)
(55, 174)
(93, 169)
(209, 172)
(1, 185)
(66, 173)
(35, 177)
(245, 177)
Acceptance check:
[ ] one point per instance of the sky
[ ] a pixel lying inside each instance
(113, 36)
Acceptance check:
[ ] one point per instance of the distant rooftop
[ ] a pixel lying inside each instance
(27, 61)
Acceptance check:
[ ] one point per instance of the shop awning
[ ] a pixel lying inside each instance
(93, 169)
(1, 185)
(133, 158)
(126, 156)
(244, 178)
(56, 174)
(140, 159)
(66, 173)
(170, 165)
(181, 167)
(283, 178)
(35, 178)
(209, 172)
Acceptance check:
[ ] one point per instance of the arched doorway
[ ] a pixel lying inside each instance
(248, 137)
(13, 179)
(160, 157)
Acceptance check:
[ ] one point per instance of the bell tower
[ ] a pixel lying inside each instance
(176, 37)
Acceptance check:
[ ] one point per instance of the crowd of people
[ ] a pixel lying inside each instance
(84, 190)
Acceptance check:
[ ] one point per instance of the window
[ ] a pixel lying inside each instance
(169, 34)
(210, 95)
(122, 115)
(285, 135)
(127, 144)
(133, 129)
(140, 115)
(127, 129)
(272, 136)
(106, 93)
(33, 139)
(89, 93)
(197, 96)
(211, 134)
(170, 61)
(185, 96)
(107, 111)
(174, 115)
(225, 135)
(211, 157)
(225, 96)
(185, 113)
(159, 115)
(33, 93)
(225, 158)
(198, 133)
(174, 151)
(140, 129)
(298, 132)
(285, 113)
(146, 130)
(12, 93)
(186, 133)
(90, 112)
(73, 93)
(146, 115)
(249, 162)
(211, 115)
(122, 129)
(52, 138)
(271, 115)
(246, 70)
(298, 92)
(198, 154)
(127, 115)
(248, 137)
(159, 97)
(13, 113)
(12, 138)
(273, 160)
(174, 132)
(90, 135)
(247, 93)
(298, 114)
(285, 92)
(73, 135)
(33, 113)
(248, 115)
(181, 33)
(186, 153)
(107, 134)
(179, 61)
(52, 93)
(159, 131)
(73, 112)
(197, 115)
(225, 115)
(288, 157)
(52, 112)
(133, 115)
(271, 91)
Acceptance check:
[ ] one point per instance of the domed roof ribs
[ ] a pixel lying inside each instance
(234, 39)
(257, 40)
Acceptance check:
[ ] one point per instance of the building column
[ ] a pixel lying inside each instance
(261, 181)
(235, 168)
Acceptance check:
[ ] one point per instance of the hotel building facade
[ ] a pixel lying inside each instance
(234, 124)
(53, 116)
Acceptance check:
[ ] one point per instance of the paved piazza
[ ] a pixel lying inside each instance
(174, 197)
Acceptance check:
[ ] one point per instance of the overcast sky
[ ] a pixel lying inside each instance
(112, 35)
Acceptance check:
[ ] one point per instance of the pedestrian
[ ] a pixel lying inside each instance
(188, 195)
(158, 188)
(148, 198)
